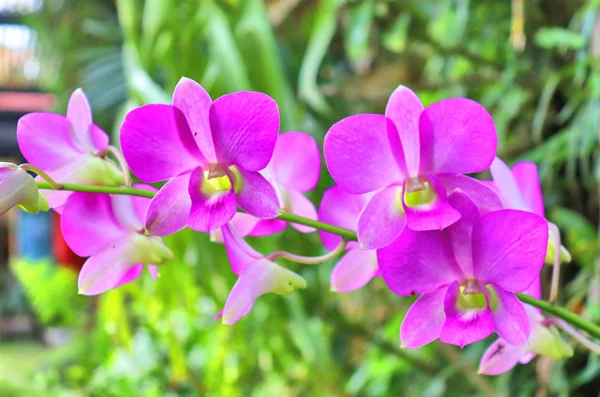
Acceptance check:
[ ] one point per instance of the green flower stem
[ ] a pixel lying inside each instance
(51, 182)
(309, 260)
(561, 312)
(348, 235)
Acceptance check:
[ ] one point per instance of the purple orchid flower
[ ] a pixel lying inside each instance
(257, 276)
(69, 149)
(18, 189)
(210, 151)
(520, 189)
(467, 275)
(110, 229)
(357, 267)
(412, 157)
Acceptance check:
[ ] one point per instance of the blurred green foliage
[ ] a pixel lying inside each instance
(323, 60)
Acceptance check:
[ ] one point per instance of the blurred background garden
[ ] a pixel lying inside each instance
(532, 63)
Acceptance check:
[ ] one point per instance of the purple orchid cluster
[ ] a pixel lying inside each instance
(463, 246)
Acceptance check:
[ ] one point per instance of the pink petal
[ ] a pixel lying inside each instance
(169, 211)
(404, 108)
(510, 319)
(241, 255)
(461, 232)
(140, 204)
(266, 227)
(381, 221)
(354, 270)
(510, 257)
(507, 186)
(535, 289)
(158, 144)
(484, 196)
(244, 128)
(463, 328)
(44, 140)
(418, 263)
(424, 320)
(526, 175)
(124, 210)
(363, 153)
(302, 206)
(193, 100)
(256, 196)
(208, 213)
(131, 275)
(341, 209)
(100, 139)
(79, 114)
(88, 223)
(296, 161)
(457, 137)
(501, 357)
(104, 270)
(153, 270)
(434, 216)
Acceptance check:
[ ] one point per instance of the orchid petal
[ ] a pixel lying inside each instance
(461, 232)
(418, 263)
(266, 227)
(354, 270)
(485, 196)
(210, 212)
(510, 319)
(256, 195)
(508, 256)
(244, 129)
(424, 320)
(363, 153)
(88, 223)
(300, 205)
(168, 212)
(462, 328)
(404, 108)
(153, 270)
(507, 186)
(296, 161)
(436, 215)
(132, 274)
(241, 255)
(501, 357)
(458, 136)
(526, 175)
(79, 114)
(194, 102)
(381, 221)
(158, 144)
(100, 139)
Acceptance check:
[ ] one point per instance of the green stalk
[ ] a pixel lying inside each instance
(346, 234)
(129, 191)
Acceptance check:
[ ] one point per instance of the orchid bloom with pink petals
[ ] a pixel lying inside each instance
(257, 276)
(467, 275)
(18, 189)
(69, 149)
(412, 157)
(110, 230)
(357, 267)
(520, 189)
(212, 153)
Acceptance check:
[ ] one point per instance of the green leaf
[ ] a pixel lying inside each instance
(561, 38)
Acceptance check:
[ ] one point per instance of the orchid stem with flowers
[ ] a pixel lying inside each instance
(403, 209)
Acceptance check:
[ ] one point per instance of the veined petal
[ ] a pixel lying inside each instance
(300, 205)
(341, 209)
(44, 140)
(296, 161)
(482, 194)
(105, 269)
(404, 108)
(79, 114)
(508, 256)
(526, 175)
(510, 319)
(501, 357)
(507, 186)
(194, 102)
(168, 212)
(88, 223)
(381, 221)
(256, 196)
(463, 327)
(241, 255)
(244, 129)
(418, 263)
(260, 278)
(363, 153)
(158, 143)
(209, 212)
(354, 270)
(424, 320)
(458, 136)
(436, 215)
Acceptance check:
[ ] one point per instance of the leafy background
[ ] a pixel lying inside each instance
(321, 60)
